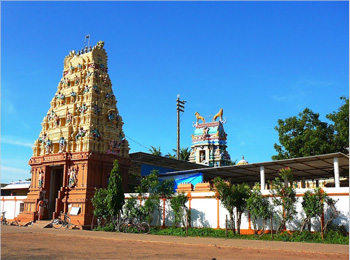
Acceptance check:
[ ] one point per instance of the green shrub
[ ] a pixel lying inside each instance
(108, 227)
(338, 228)
(332, 237)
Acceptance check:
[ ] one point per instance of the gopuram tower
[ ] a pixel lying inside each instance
(81, 136)
(209, 142)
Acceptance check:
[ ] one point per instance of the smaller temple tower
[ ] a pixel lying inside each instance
(209, 142)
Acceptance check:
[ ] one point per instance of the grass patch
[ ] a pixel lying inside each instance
(331, 237)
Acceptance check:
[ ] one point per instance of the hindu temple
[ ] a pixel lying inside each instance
(209, 142)
(82, 134)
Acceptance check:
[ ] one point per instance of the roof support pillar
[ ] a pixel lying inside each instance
(262, 177)
(303, 185)
(336, 172)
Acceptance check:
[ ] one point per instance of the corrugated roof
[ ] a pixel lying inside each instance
(151, 159)
(311, 167)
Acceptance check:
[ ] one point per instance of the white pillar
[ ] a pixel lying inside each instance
(336, 172)
(262, 177)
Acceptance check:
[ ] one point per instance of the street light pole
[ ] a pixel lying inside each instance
(180, 106)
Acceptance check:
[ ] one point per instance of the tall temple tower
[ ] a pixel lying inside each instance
(209, 142)
(81, 136)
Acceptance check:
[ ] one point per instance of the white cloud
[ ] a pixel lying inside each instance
(5, 169)
(13, 140)
(9, 174)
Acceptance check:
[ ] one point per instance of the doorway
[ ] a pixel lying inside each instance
(56, 182)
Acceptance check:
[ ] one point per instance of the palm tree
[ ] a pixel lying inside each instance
(233, 162)
(184, 153)
(169, 155)
(155, 151)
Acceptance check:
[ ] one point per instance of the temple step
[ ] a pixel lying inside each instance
(42, 224)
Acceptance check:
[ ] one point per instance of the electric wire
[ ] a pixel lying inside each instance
(148, 148)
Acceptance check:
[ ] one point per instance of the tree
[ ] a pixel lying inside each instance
(333, 212)
(305, 135)
(341, 126)
(233, 196)
(155, 151)
(108, 202)
(151, 190)
(184, 154)
(284, 196)
(224, 190)
(233, 162)
(178, 205)
(313, 206)
(259, 208)
(241, 194)
(171, 156)
(100, 205)
(115, 197)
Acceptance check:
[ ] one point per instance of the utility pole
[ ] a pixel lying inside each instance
(180, 106)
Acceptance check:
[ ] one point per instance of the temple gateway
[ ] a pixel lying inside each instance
(209, 142)
(81, 136)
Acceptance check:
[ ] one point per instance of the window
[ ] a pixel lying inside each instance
(21, 207)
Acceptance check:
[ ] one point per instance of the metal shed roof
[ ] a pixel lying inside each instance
(311, 167)
(175, 164)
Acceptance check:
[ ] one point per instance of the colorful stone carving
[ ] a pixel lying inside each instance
(40, 179)
(76, 80)
(88, 74)
(109, 97)
(219, 114)
(73, 95)
(113, 147)
(72, 177)
(209, 142)
(96, 89)
(97, 109)
(50, 115)
(83, 109)
(62, 144)
(96, 134)
(48, 144)
(81, 133)
(69, 117)
(86, 89)
(199, 117)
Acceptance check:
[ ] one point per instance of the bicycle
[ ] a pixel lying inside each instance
(142, 227)
(61, 222)
(119, 222)
(3, 219)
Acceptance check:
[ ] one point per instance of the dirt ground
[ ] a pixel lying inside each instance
(40, 243)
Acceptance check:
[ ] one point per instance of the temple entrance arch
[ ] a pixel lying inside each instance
(56, 182)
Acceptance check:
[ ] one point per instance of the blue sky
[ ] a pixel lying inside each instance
(259, 61)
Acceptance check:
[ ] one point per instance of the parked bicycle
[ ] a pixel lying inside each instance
(132, 227)
(62, 221)
(3, 218)
(118, 222)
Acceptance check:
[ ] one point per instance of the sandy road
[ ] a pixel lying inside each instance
(39, 243)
